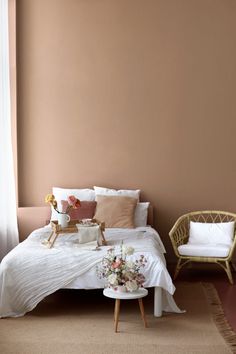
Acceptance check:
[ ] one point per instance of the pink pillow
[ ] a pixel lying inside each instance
(85, 211)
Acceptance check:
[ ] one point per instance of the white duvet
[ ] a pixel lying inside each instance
(31, 271)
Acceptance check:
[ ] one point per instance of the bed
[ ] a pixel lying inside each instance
(31, 271)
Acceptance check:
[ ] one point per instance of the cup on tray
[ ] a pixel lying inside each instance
(63, 219)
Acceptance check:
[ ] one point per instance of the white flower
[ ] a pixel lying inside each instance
(126, 250)
(129, 275)
(118, 270)
(131, 285)
(130, 264)
(112, 279)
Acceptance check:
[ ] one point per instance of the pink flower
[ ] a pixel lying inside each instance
(116, 264)
(77, 204)
(73, 202)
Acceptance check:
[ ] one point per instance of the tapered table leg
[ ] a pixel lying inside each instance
(118, 296)
(117, 312)
(140, 301)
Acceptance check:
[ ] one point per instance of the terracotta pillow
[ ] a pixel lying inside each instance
(85, 211)
(116, 211)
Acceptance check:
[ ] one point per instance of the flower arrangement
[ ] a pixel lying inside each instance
(118, 271)
(73, 203)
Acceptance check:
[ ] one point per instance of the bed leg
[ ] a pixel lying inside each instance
(158, 301)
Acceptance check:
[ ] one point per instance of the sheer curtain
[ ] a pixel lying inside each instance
(8, 218)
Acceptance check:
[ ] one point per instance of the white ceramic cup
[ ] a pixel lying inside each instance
(63, 219)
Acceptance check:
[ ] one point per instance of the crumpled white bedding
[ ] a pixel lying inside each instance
(31, 271)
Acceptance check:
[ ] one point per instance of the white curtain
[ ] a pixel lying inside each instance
(8, 218)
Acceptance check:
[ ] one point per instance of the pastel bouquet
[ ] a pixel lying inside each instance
(121, 273)
(73, 203)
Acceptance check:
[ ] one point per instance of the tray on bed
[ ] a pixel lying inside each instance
(71, 228)
(72, 225)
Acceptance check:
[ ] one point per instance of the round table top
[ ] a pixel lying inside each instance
(114, 294)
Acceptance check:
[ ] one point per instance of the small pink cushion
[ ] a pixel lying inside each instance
(85, 211)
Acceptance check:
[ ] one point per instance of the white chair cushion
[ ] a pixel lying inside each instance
(211, 233)
(203, 250)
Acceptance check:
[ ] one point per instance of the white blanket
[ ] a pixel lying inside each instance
(31, 271)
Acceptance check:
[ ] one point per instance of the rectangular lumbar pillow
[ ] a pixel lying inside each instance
(116, 211)
(211, 233)
(86, 210)
(134, 193)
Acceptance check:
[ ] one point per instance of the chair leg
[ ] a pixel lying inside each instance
(228, 272)
(179, 266)
(233, 266)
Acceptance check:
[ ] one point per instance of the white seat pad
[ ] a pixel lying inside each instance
(204, 250)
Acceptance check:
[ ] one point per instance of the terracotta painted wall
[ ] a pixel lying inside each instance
(129, 94)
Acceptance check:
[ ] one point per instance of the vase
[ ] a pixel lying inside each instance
(121, 288)
(63, 219)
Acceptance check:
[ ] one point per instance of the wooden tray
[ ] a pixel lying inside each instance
(71, 228)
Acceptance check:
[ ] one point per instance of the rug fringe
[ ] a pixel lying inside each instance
(219, 316)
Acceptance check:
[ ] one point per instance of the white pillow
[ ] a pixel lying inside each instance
(113, 192)
(211, 233)
(64, 193)
(140, 214)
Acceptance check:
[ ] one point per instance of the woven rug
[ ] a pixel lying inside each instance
(70, 321)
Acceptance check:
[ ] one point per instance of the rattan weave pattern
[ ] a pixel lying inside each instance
(179, 235)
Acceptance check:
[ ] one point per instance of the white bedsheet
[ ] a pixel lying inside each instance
(31, 271)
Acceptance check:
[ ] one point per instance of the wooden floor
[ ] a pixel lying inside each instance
(209, 273)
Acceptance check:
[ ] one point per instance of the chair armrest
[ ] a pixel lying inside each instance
(179, 233)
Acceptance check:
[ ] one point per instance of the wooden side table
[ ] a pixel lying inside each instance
(139, 294)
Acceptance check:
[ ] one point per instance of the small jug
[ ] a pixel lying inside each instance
(63, 220)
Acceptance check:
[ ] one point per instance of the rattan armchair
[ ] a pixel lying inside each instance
(179, 235)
